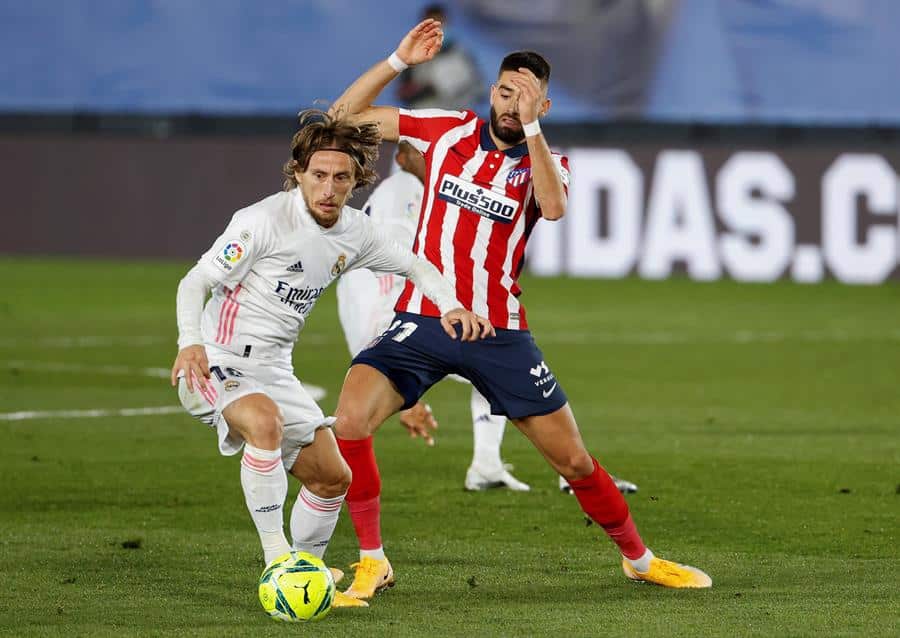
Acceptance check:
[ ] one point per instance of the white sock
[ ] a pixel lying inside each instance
(265, 488)
(377, 554)
(642, 564)
(488, 434)
(312, 521)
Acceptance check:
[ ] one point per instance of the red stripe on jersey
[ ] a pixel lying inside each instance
(498, 312)
(466, 229)
(483, 255)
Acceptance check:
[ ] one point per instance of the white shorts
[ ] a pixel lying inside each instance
(234, 377)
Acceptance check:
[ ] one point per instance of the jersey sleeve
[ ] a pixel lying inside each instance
(562, 167)
(390, 209)
(561, 162)
(420, 127)
(381, 253)
(232, 255)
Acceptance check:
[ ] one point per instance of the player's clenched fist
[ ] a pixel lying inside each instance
(192, 362)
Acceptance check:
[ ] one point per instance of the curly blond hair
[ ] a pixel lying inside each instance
(322, 131)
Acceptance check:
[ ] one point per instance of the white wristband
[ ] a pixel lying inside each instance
(396, 63)
(532, 128)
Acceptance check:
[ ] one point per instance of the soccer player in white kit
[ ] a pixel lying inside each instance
(366, 308)
(266, 272)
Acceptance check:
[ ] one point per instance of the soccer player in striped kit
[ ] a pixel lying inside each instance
(366, 309)
(487, 183)
(266, 272)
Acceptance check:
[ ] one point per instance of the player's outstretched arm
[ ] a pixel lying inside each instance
(419, 45)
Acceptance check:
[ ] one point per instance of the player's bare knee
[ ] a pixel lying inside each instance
(576, 466)
(268, 430)
(341, 482)
(331, 484)
(351, 426)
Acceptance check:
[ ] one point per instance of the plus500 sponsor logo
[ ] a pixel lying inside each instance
(477, 199)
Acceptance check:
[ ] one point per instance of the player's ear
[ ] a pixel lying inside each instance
(545, 107)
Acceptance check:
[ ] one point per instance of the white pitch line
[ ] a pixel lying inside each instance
(740, 337)
(47, 366)
(83, 414)
(316, 392)
(87, 342)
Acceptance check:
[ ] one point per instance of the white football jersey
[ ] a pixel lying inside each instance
(365, 299)
(272, 264)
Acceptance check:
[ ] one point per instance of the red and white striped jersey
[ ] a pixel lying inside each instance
(477, 213)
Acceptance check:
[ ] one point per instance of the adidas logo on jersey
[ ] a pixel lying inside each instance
(298, 267)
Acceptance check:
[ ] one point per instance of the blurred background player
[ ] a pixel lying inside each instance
(450, 81)
(489, 183)
(366, 308)
(266, 272)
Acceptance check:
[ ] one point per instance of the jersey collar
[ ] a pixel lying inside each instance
(487, 143)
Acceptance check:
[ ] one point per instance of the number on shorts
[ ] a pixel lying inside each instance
(406, 329)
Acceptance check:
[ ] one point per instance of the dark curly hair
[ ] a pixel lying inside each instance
(321, 131)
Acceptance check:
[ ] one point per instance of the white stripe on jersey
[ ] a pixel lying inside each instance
(481, 274)
(420, 144)
(441, 148)
(451, 221)
(512, 302)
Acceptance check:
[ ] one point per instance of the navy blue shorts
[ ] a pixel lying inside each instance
(509, 369)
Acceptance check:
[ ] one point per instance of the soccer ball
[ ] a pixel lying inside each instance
(296, 587)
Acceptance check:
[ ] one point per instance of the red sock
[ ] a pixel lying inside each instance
(601, 500)
(363, 497)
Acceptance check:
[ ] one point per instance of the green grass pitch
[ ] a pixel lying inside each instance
(762, 424)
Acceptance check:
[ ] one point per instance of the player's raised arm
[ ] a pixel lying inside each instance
(419, 45)
(549, 189)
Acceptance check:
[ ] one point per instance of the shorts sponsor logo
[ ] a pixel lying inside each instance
(543, 378)
(231, 384)
(540, 370)
(478, 199)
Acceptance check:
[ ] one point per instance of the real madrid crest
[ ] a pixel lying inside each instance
(339, 265)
